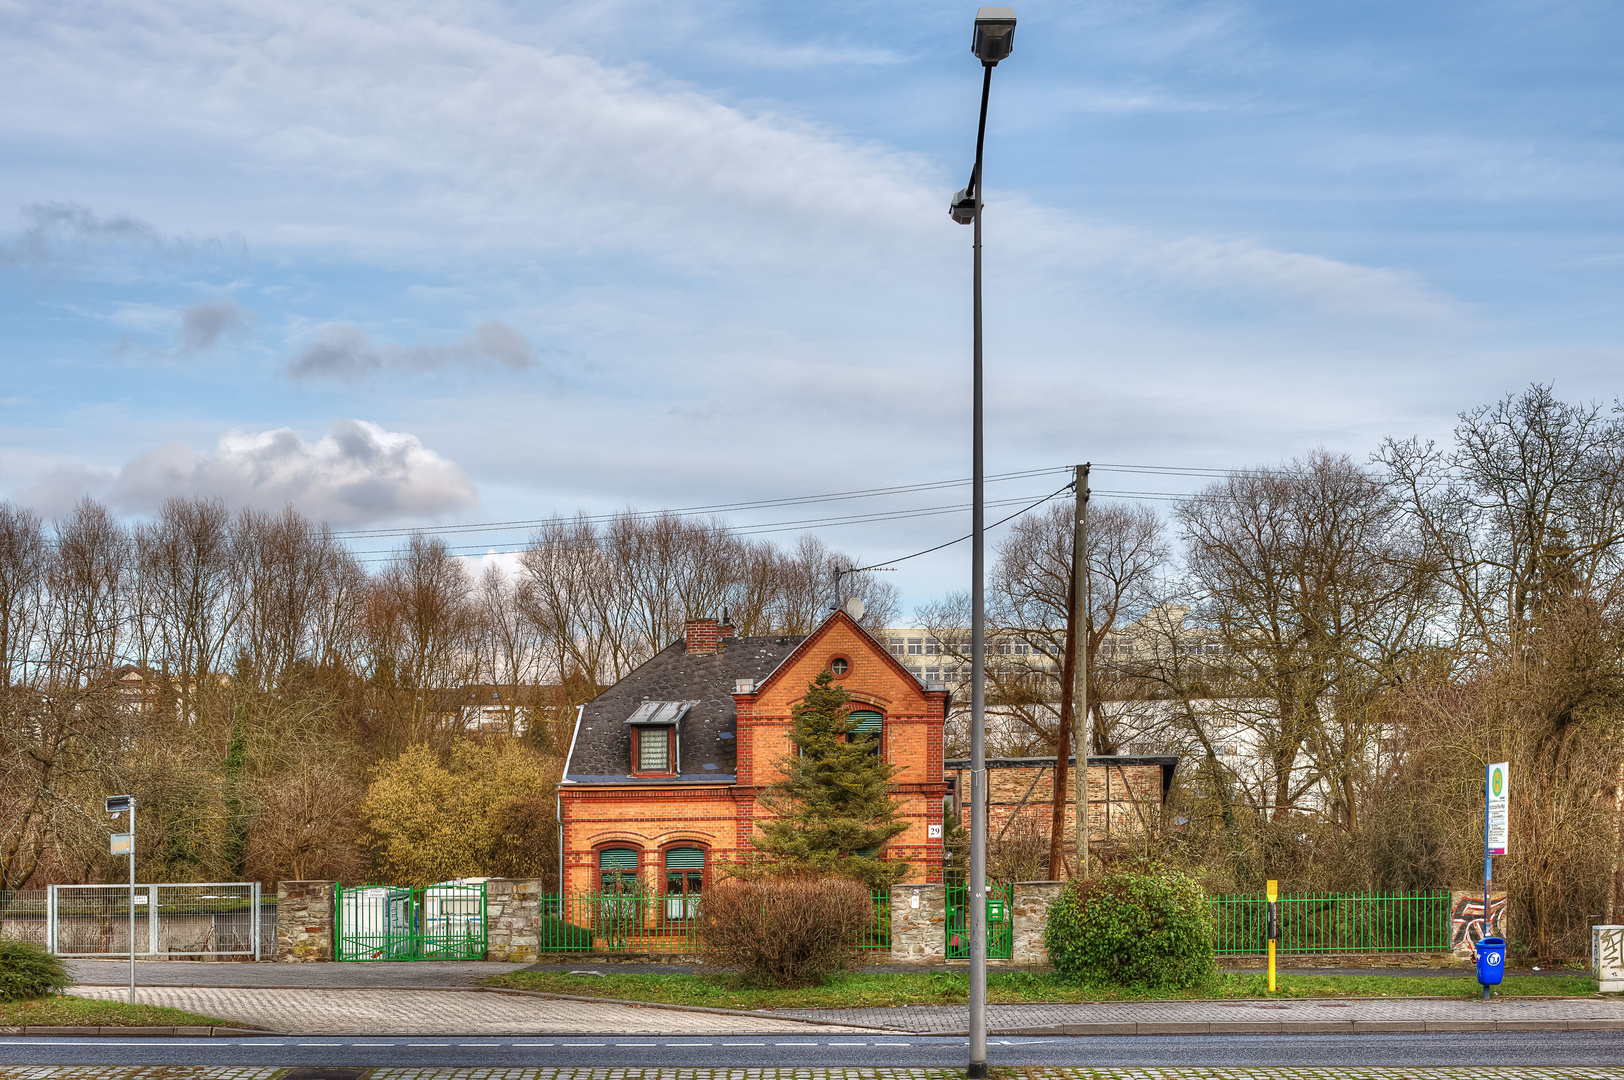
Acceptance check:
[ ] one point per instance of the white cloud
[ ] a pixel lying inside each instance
(414, 132)
(346, 354)
(358, 473)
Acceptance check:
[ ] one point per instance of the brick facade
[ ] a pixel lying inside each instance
(722, 817)
(1125, 795)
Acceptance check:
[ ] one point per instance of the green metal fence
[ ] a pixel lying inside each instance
(1000, 922)
(637, 922)
(1341, 923)
(389, 922)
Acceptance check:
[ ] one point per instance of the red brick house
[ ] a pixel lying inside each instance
(665, 767)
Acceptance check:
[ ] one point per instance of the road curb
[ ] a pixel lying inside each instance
(668, 1006)
(1306, 1027)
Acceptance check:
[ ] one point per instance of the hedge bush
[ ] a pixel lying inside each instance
(1132, 928)
(785, 932)
(28, 971)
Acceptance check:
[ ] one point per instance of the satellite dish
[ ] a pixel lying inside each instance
(854, 608)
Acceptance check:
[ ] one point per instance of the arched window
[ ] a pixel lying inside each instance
(617, 870)
(684, 880)
(866, 726)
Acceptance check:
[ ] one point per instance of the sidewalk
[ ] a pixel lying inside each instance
(435, 974)
(1297, 1016)
(1041, 1072)
(352, 1010)
(442, 998)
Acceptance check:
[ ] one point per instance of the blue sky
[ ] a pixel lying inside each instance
(409, 263)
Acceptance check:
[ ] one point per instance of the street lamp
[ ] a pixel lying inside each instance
(993, 41)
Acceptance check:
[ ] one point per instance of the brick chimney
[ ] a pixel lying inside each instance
(700, 636)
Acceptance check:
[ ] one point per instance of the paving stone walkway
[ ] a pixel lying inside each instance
(200, 1072)
(436, 1012)
(955, 1019)
(431, 974)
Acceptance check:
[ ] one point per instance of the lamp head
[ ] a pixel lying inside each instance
(963, 207)
(995, 34)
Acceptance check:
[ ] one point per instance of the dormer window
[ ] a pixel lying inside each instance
(655, 745)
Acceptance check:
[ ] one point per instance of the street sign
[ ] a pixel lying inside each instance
(119, 804)
(123, 843)
(1497, 819)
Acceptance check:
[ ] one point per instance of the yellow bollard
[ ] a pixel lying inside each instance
(1274, 926)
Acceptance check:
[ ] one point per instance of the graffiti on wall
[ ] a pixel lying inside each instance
(1468, 923)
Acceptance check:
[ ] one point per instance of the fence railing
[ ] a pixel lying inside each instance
(205, 919)
(635, 922)
(24, 915)
(1334, 923)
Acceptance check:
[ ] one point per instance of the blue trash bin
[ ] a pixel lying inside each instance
(1491, 960)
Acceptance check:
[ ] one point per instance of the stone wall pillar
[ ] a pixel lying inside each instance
(1031, 916)
(513, 919)
(918, 924)
(304, 921)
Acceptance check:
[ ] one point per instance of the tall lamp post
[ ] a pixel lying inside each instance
(994, 38)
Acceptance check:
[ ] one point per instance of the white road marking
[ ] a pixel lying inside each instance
(744, 1044)
(796, 1044)
(428, 1044)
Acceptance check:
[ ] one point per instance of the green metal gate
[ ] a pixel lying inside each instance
(389, 922)
(1000, 922)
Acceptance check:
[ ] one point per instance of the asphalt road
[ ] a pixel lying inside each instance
(1573, 1048)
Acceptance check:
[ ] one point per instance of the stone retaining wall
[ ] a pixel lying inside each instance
(513, 919)
(1031, 914)
(918, 924)
(304, 921)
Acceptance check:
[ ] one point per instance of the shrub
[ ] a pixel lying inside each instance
(785, 932)
(1132, 928)
(28, 971)
(556, 933)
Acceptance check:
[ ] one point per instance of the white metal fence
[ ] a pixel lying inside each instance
(211, 919)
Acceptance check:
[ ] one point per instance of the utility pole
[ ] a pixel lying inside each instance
(1079, 667)
(1063, 744)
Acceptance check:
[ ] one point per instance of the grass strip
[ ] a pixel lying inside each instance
(67, 1011)
(857, 991)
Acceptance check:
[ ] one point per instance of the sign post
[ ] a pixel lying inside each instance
(1496, 833)
(124, 844)
(1274, 926)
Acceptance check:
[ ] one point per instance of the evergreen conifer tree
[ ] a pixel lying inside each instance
(832, 810)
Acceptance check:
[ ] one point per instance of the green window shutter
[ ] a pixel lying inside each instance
(617, 859)
(865, 722)
(685, 858)
(868, 853)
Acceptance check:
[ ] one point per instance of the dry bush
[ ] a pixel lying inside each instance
(1021, 851)
(785, 932)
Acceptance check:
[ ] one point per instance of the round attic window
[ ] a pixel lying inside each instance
(839, 666)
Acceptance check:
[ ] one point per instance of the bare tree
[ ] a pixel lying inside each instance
(188, 599)
(1315, 587)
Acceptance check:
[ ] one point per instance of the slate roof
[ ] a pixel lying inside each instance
(602, 750)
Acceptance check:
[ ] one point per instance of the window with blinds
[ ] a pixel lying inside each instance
(617, 859)
(865, 722)
(865, 727)
(617, 872)
(685, 858)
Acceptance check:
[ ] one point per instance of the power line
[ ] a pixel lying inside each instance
(712, 508)
(966, 536)
(758, 530)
